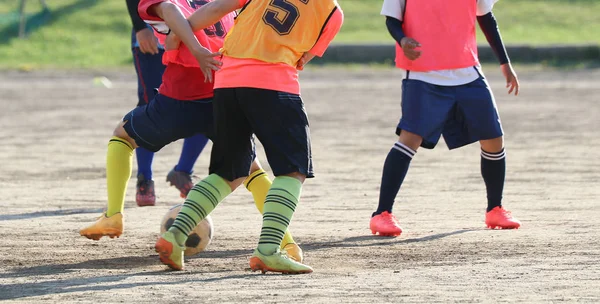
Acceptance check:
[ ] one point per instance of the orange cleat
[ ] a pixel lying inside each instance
(169, 252)
(500, 218)
(385, 224)
(105, 226)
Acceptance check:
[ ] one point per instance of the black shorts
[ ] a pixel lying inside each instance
(164, 120)
(278, 120)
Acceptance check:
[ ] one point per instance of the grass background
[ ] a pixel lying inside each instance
(96, 33)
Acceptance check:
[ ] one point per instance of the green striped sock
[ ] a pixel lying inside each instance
(200, 202)
(278, 211)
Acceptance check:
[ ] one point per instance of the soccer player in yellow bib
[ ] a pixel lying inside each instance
(257, 92)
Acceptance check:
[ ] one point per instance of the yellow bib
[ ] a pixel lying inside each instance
(277, 31)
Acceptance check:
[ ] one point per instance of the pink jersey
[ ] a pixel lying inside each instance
(446, 31)
(183, 78)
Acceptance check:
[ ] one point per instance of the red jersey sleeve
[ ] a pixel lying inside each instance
(332, 27)
(145, 5)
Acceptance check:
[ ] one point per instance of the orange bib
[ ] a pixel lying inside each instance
(277, 31)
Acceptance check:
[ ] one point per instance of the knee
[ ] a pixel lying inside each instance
(255, 166)
(121, 133)
(297, 175)
(410, 139)
(235, 183)
(493, 145)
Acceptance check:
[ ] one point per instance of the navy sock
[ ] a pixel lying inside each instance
(192, 147)
(493, 171)
(394, 170)
(144, 162)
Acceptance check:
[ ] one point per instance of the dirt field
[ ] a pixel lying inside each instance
(54, 129)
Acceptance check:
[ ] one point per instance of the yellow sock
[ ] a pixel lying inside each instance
(258, 183)
(118, 172)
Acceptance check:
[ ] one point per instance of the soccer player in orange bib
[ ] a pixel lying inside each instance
(445, 93)
(183, 107)
(257, 92)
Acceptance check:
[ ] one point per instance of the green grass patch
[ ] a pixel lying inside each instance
(77, 34)
(520, 22)
(96, 33)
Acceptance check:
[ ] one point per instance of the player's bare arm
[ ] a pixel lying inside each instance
(489, 27)
(212, 12)
(179, 25)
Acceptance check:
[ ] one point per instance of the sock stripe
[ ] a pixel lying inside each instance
(192, 205)
(277, 216)
(206, 193)
(269, 240)
(493, 156)
(409, 149)
(181, 225)
(282, 190)
(252, 178)
(212, 186)
(276, 220)
(177, 227)
(185, 219)
(404, 149)
(281, 200)
(272, 243)
(276, 230)
(197, 208)
(122, 142)
(266, 235)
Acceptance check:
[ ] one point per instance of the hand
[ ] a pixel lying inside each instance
(306, 57)
(172, 42)
(147, 41)
(207, 62)
(408, 47)
(512, 82)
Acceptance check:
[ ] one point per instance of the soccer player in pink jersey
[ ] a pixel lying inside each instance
(257, 92)
(147, 59)
(183, 107)
(445, 93)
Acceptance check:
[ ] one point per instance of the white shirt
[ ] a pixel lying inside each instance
(395, 9)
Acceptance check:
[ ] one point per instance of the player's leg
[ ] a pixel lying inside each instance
(118, 172)
(181, 175)
(280, 123)
(151, 126)
(258, 183)
(231, 157)
(424, 111)
(149, 70)
(477, 105)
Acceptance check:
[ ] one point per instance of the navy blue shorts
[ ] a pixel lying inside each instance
(463, 114)
(165, 120)
(149, 69)
(278, 120)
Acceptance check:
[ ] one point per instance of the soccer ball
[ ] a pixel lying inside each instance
(198, 239)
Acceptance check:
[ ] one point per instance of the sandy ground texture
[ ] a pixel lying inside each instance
(54, 128)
